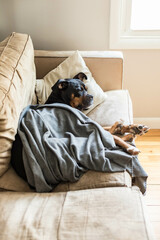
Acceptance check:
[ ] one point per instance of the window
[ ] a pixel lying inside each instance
(151, 16)
(135, 24)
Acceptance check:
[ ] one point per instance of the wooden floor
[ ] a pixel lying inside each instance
(149, 157)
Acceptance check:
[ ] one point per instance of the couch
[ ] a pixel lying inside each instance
(98, 206)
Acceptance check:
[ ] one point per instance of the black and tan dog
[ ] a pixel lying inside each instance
(74, 93)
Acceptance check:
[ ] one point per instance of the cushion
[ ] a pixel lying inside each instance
(102, 213)
(17, 84)
(91, 179)
(117, 106)
(68, 69)
(12, 182)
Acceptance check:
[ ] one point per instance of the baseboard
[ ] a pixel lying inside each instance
(153, 123)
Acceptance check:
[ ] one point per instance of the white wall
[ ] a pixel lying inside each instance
(142, 78)
(84, 25)
(58, 24)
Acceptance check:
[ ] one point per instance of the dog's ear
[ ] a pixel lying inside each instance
(80, 76)
(62, 84)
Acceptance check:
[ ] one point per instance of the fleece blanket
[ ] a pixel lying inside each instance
(60, 144)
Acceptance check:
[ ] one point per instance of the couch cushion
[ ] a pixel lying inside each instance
(68, 69)
(117, 106)
(109, 213)
(91, 179)
(12, 182)
(17, 84)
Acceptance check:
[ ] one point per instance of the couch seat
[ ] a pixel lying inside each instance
(102, 213)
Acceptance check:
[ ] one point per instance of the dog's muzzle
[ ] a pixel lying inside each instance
(87, 102)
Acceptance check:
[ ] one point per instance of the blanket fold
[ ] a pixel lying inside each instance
(60, 144)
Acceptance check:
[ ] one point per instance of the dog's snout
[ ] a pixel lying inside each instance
(90, 96)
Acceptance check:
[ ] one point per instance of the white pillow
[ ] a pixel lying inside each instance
(68, 69)
(118, 106)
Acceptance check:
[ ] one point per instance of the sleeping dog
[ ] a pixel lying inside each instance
(74, 93)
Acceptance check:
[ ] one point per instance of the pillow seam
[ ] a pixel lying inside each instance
(11, 82)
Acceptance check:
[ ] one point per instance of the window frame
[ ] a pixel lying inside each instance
(121, 36)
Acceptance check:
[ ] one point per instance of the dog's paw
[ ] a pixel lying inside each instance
(138, 129)
(133, 150)
(128, 137)
(118, 127)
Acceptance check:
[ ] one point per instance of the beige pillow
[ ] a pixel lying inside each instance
(17, 84)
(68, 69)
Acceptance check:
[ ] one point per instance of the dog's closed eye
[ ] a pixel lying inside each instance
(84, 88)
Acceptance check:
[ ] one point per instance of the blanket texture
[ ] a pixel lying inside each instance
(60, 144)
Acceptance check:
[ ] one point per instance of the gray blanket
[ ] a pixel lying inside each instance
(60, 144)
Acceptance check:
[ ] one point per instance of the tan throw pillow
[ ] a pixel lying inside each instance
(17, 84)
(68, 69)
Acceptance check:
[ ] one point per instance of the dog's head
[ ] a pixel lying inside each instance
(71, 91)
